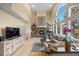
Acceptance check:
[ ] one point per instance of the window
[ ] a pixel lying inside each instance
(74, 10)
(63, 15)
(75, 27)
(41, 21)
(64, 27)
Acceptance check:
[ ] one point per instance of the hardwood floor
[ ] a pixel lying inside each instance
(39, 54)
(25, 50)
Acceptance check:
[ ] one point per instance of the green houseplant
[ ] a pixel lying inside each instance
(65, 39)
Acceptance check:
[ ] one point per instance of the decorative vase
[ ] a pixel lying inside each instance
(67, 47)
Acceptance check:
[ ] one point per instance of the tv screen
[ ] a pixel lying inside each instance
(12, 32)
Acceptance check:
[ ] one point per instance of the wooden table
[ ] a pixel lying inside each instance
(60, 49)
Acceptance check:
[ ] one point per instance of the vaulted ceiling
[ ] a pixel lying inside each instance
(41, 7)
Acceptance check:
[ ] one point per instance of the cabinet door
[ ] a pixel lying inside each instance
(16, 44)
(8, 51)
(8, 48)
(6, 44)
(13, 49)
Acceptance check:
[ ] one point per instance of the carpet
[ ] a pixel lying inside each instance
(37, 47)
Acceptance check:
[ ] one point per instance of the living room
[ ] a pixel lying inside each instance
(39, 29)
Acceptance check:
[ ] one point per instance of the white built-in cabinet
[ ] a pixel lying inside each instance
(8, 47)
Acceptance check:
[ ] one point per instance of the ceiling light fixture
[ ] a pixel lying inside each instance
(33, 6)
(50, 5)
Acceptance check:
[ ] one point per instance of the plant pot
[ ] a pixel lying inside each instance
(67, 47)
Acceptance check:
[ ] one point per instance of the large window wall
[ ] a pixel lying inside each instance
(74, 12)
(69, 18)
(58, 24)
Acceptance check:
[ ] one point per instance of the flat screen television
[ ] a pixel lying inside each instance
(12, 32)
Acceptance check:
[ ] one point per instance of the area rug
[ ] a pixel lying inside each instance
(37, 47)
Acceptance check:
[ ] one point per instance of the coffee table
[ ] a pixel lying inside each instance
(60, 47)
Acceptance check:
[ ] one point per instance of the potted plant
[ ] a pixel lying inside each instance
(67, 43)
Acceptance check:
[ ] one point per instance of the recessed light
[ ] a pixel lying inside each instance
(50, 5)
(33, 6)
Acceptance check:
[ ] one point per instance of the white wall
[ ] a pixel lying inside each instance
(8, 20)
(41, 14)
(22, 9)
(25, 11)
(44, 14)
